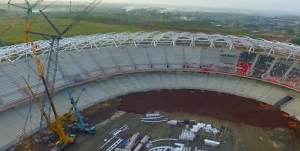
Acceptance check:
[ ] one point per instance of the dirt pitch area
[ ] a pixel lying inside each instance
(218, 105)
(248, 127)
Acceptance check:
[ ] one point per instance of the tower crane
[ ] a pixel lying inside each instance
(28, 9)
(79, 126)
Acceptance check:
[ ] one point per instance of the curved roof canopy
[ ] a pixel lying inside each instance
(17, 51)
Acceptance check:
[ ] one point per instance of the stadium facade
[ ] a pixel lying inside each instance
(114, 64)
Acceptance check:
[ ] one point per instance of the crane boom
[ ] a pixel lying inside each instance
(80, 125)
(16, 5)
(3, 32)
(52, 128)
(27, 3)
(79, 17)
(70, 96)
(68, 115)
(50, 22)
(36, 3)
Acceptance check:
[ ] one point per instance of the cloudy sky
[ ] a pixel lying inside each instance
(281, 5)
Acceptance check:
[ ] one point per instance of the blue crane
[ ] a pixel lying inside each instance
(79, 126)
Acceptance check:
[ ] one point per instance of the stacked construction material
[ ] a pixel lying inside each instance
(114, 144)
(115, 132)
(187, 135)
(211, 143)
(129, 143)
(161, 148)
(197, 127)
(208, 128)
(152, 114)
(144, 140)
(132, 141)
(172, 122)
(153, 117)
(150, 143)
(120, 149)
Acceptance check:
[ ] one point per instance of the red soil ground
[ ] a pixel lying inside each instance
(225, 106)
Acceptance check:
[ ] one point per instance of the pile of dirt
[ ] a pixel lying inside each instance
(218, 105)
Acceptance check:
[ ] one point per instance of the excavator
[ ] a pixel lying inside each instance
(68, 116)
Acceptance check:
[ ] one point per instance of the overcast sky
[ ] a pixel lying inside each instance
(281, 5)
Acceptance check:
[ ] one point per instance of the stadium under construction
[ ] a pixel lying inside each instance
(112, 65)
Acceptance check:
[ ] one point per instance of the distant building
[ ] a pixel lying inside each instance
(185, 18)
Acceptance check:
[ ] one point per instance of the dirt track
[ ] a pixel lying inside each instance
(222, 106)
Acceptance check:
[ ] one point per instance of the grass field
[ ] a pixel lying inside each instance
(14, 35)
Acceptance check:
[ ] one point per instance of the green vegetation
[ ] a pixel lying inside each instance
(116, 22)
(295, 41)
(83, 28)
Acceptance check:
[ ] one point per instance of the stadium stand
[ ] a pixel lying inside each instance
(245, 62)
(262, 65)
(119, 67)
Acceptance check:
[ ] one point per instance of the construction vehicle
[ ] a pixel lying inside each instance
(28, 9)
(79, 126)
(68, 116)
(53, 130)
(64, 140)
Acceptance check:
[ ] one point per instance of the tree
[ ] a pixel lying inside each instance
(295, 41)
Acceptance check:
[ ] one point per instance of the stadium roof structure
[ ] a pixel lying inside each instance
(15, 52)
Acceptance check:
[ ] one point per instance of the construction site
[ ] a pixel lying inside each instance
(123, 92)
(190, 125)
(146, 121)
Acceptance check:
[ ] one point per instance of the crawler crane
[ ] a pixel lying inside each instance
(79, 126)
(64, 140)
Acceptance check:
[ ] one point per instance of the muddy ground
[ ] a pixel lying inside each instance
(249, 127)
(235, 137)
(218, 105)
